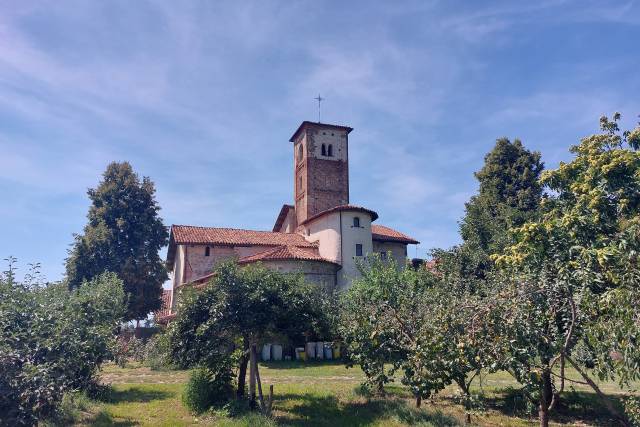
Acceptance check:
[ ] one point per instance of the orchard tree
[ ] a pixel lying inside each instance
(509, 195)
(240, 308)
(416, 322)
(572, 275)
(123, 235)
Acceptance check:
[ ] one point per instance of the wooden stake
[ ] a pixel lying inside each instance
(260, 396)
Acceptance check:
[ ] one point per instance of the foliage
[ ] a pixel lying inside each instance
(240, 307)
(206, 389)
(52, 341)
(413, 320)
(157, 352)
(128, 348)
(123, 235)
(632, 410)
(572, 274)
(509, 195)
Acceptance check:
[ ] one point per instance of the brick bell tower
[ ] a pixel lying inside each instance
(321, 168)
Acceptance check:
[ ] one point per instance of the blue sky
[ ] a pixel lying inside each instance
(203, 96)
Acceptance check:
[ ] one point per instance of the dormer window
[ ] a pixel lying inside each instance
(324, 150)
(207, 251)
(330, 150)
(356, 221)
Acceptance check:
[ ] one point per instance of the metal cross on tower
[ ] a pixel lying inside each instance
(319, 99)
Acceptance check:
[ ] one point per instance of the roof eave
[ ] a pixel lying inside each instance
(308, 123)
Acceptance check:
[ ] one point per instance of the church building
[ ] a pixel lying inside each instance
(320, 235)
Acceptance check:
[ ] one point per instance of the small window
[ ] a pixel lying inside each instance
(207, 251)
(300, 152)
(358, 249)
(324, 150)
(330, 150)
(356, 221)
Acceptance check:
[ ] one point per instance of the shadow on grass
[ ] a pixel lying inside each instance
(103, 419)
(328, 411)
(133, 394)
(573, 406)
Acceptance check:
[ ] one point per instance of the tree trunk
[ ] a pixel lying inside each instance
(543, 413)
(546, 394)
(418, 401)
(252, 378)
(464, 387)
(242, 370)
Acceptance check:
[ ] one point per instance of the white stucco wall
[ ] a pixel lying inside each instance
(350, 237)
(289, 225)
(326, 231)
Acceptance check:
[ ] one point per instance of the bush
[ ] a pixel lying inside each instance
(128, 348)
(52, 341)
(206, 389)
(157, 352)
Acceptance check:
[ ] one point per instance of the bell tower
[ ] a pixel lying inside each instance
(321, 168)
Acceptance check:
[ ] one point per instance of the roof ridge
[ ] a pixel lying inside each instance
(231, 228)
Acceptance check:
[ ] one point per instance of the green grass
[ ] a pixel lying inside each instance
(324, 394)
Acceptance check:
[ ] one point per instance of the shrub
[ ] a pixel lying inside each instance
(157, 352)
(206, 389)
(52, 341)
(128, 348)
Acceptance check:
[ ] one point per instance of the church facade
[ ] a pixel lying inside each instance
(320, 235)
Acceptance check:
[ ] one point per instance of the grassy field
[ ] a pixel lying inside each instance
(323, 394)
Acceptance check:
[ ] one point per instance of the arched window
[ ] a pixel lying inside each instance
(300, 152)
(324, 150)
(356, 221)
(330, 151)
(207, 251)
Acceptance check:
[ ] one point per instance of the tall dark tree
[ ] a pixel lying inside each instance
(123, 236)
(509, 195)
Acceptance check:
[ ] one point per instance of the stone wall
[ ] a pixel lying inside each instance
(398, 250)
(198, 264)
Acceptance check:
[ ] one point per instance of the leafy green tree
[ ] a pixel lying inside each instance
(123, 235)
(572, 275)
(52, 341)
(240, 308)
(509, 195)
(415, 321)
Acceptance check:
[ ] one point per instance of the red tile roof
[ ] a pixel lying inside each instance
(386, 234)
(285, 253)
(164, 313)
(374, 215)
(187, 234)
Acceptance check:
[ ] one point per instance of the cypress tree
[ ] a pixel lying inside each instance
(123, 235)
